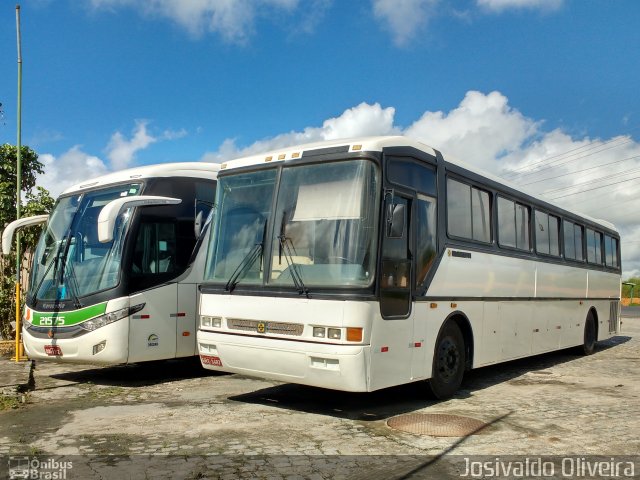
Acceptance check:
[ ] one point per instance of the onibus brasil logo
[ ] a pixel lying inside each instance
(38, 468)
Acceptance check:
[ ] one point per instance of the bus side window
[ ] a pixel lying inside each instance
(154, 257)
(425, 224)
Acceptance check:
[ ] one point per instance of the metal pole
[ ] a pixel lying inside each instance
(18, 185)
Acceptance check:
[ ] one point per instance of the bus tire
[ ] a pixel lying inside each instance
(448, 362)
(590, 335)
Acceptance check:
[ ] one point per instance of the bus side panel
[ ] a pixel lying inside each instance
(560, 281)
(603, 285)
(186, 320)
(464, 273)
(391, 351)
(152, 333)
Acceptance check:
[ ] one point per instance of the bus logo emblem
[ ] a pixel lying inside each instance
(262, 327)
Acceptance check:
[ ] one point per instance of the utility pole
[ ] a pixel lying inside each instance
(18, 186)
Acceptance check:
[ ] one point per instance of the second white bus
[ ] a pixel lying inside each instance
(115, 273)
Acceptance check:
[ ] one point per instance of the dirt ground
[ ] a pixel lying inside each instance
(175, 420)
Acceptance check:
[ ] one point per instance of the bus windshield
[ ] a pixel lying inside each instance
(323, 233)
(69, 261)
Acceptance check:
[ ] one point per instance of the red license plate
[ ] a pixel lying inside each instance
(53, 350)
(209, 360)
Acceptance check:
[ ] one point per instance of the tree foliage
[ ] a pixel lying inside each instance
(36, 200)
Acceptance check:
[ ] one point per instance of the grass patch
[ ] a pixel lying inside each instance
(8, 402)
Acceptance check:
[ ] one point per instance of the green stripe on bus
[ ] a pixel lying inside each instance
(65, 319)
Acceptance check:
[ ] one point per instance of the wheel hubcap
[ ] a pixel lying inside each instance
(448, 359)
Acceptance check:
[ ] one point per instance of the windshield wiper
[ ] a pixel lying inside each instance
(74, 285)
(244, 265)
(286, 246)
(54, 276)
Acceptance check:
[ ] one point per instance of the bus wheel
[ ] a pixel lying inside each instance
(589, 345)
(448, 362)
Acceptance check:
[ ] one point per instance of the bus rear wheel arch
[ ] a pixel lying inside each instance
(449, 361)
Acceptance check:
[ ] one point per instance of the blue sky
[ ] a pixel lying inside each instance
(502, 84)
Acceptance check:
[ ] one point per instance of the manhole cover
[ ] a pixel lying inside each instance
(436, 424)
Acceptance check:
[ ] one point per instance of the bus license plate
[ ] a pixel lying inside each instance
(53, 350)
(209, 360)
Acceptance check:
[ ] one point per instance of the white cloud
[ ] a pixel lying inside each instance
(403, 18)
(486, 132)
(75, 166)
(481, 130)
(121, 152)
(501, 5)
(233, 20)
(71, 167)
(362, 120)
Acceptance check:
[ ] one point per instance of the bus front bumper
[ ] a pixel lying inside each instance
(334, 366)
(106, 345)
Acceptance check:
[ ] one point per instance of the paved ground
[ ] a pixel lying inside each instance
(175, 420)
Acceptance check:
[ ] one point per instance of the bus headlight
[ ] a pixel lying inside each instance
(207, 321)
(334, 333)
(111, 317)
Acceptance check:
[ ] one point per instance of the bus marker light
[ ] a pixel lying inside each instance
(355, 148)
(354, 334)
(186, 334)
(434, 305)
(216, 322)
(384, 349)
(295, 155)
(282, 156)
(417, 344)
(211, 360)
(454, 305)
(268, 159)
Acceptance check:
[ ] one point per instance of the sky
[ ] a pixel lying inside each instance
(544, 93)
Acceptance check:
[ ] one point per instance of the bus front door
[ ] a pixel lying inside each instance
(152, 330)
(390, 342)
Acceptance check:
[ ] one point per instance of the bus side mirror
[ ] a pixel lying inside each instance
(202, 210)
(7, 234)
(395, 220)
(111, 211)
(197, 224)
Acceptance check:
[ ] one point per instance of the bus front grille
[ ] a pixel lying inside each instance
(279, 328)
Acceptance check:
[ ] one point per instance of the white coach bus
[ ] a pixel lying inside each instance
(361, 264)
(115, 273)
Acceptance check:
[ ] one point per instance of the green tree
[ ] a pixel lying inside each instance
(36, 201)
